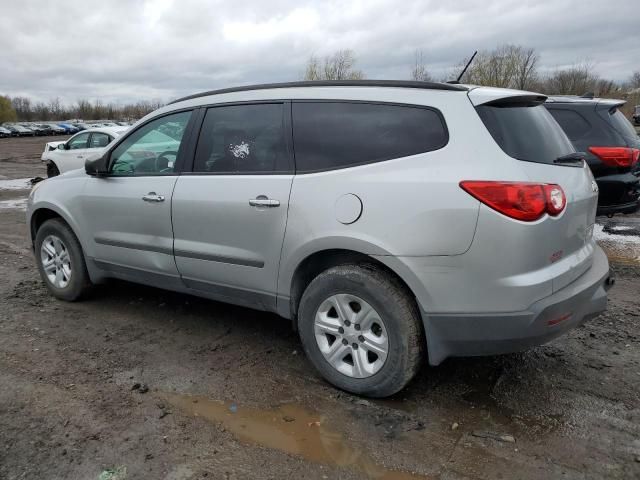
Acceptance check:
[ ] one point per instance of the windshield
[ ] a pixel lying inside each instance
(524, 132)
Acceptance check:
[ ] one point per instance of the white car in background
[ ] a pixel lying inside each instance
(71, 154)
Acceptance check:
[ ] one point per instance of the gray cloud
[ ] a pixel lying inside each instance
(121, 50)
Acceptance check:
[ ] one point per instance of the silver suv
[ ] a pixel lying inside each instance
(387, 220)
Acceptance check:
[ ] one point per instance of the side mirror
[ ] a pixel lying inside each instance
(62, 146)
(98, 167)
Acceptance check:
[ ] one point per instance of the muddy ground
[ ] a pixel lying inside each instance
(137, 382)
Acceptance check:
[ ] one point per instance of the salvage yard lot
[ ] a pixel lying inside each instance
(145, 383)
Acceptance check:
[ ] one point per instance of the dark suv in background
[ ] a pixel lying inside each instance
(597, 127)
(636, 115)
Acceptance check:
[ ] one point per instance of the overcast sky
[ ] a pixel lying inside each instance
(122, 50)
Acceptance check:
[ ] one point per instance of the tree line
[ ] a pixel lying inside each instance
(507, 66)
(22, 109)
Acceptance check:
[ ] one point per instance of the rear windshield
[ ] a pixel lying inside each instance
(525, 132)
(621, 124)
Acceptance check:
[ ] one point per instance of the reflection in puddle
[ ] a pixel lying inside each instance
(289, 428)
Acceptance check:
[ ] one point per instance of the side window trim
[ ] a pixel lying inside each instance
(197, 131)
(183, 144)
(194, 134)
(365, 102)
(90, 141)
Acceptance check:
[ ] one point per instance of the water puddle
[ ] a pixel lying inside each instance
(14, 204)
(16, 184)
(289, 428)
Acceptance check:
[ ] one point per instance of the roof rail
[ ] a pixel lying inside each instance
(590, 95)
(331, 83)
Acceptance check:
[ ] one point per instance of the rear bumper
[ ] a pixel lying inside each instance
(454, 335)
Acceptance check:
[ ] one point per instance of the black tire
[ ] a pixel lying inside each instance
(52, 170)
(79, 283)
(397, 309)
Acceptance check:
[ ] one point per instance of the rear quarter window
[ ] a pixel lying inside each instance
(621, 124)
(332, 135)
(525, 132)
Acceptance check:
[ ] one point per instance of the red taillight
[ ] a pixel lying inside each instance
(520, 200)
(616, 156)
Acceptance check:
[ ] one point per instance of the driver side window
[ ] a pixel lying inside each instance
(152, 149)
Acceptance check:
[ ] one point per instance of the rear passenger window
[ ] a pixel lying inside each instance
(573, 124)
(243, 139)
(330, 135)
(621, 124)
(99, 140)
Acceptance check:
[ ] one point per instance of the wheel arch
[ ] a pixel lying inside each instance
(50, 161)
(315, 263)
(46, 212)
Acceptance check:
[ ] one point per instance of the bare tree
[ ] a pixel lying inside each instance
(55, 107)
(98, 109)
(507, 66)
(339, 66)
(419, 71)
(41, 111)
(607, 88)
(526, 62)
(22, 106)
(575, 80)
(634, 80)
(84, 109)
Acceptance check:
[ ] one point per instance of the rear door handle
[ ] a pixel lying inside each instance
(153, 197)
(264, 201)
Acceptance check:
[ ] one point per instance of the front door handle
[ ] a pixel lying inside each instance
(153, 197)
(264, 201)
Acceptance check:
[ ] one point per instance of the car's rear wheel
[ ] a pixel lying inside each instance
(60, 261)
(361, 329)
(52, 170)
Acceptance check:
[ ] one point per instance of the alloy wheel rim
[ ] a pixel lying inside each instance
(56, 261)
(351, 335)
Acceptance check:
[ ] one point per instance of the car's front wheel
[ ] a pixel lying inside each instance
(361, 329)
(60, 261)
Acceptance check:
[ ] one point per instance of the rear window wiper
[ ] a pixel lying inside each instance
(574, 158)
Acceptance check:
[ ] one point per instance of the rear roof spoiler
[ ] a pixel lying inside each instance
(504, 97)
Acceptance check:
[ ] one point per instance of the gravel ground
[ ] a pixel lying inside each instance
(137, 382)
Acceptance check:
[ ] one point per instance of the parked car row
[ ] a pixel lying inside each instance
(71, 154)
(389, 221)
(33, 129)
